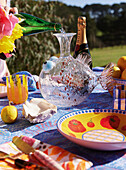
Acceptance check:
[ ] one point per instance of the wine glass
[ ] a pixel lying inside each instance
(17, 88)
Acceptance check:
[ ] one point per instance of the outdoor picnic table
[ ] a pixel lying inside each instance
(47, 131)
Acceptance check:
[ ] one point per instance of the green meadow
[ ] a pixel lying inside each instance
(103, 56)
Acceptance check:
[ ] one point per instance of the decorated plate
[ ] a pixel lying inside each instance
(102, 129)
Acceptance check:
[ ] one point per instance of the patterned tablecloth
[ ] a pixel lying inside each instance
(47, 131)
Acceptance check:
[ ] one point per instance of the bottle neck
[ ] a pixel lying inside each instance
(81, 35)
(64, 42)
(35, 25)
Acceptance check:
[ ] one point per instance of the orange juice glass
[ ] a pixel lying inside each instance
(17, 88)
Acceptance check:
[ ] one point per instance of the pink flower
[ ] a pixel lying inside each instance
(8, 55)
(7, 23)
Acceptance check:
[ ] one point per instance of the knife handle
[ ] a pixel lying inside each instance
(26, 164)
(47, 160)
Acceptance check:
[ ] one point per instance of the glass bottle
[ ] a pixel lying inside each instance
(81, 43)
(66, 81)
(34, 25)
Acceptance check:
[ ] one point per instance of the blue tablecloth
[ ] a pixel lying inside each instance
(47, 131)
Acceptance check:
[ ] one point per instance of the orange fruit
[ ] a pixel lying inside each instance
(123, 76)
(116, 72)
(122, 63)
(9, 114)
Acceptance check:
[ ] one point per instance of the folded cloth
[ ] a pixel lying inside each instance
(66, 159)
(31, 80)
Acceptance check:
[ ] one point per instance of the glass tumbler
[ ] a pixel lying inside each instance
(17, 88)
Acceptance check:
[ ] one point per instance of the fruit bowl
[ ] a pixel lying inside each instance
(113, 82)
(107, 79)
(117, 76)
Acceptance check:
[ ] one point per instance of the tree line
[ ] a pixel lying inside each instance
(105, 27)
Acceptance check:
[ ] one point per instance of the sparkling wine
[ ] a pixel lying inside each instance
(81, 43)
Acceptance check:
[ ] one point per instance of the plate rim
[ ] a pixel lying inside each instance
(89, 111)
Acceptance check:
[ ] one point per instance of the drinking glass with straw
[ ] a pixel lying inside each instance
(17, 88)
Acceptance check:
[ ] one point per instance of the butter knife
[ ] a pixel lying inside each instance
(39, 155)
(19, 162)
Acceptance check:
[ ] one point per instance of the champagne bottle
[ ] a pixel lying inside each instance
(34, 25)
(81, 43)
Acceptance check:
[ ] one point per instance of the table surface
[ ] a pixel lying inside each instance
(47, 131)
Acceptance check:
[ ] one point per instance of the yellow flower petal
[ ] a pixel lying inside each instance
(7, 42)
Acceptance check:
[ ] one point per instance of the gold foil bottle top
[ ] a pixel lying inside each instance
(82, 21)
(81, 36)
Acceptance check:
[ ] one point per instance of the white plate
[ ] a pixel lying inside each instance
(101, 129)
(3, 91)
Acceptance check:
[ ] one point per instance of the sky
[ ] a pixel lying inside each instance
(82, 3)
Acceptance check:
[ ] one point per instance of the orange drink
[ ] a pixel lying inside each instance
(17, 89)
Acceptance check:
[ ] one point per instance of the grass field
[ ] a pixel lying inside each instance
(103, 56)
